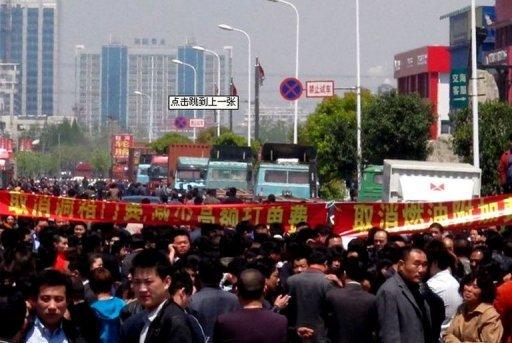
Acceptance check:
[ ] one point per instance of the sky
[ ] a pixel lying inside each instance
(327, 35)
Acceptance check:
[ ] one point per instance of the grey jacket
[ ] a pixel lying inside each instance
(400, 318)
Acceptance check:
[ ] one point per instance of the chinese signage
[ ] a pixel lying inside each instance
(121, 145)
(498, 57)
(41, 206)
(319, 89)
(458, 88)
(357, 218)
(411, 62)
(190, 102)
(196, 122)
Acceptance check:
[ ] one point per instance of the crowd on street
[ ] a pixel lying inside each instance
(66, 281)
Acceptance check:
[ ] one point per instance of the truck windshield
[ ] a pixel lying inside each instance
(143, 171)
(236, 175)
(157, 172)
(189, 174)
(282, 176)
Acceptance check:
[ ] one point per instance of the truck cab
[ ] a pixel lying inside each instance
(371, 185)
(287, 170)
(190, 172)
(230, 166)
(142, 173)
(157, 170)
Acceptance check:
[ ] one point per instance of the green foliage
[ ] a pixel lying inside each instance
(232, 139)
(396, 126)
(334, 189)
(495, 124)
(208, 135)
(331, 128)
(275, 132)
(161, 145)
(67, 133)
(34, 164)
(100, 161)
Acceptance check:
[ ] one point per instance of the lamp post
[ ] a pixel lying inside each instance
(296, 102)
(200, 48)
(230, 28)
(151, 114)
(179, 62)
(474, 75)
(358, 100)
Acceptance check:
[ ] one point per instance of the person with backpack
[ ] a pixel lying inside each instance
(505, 168)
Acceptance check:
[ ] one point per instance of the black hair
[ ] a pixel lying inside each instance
(210, 272)
(355, 269)
(52, 277)
(437, 252)
(12, 313)
(179, 280)
(265, 265)
(317, 256)
(484, 282)
(180, 232)
(152, 258)
(101, 280)
(250, 284)
(406, 251)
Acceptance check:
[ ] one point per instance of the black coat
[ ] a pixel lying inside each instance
(352, 315)
(170, 326)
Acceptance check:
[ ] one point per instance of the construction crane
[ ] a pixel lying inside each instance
(6, 29)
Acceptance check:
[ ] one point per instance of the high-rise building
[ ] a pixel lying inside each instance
(29, 38)
(114, 67)
(186, 80)
(153, 74)
(88, 108)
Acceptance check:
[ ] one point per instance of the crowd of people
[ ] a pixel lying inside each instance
(96, 282)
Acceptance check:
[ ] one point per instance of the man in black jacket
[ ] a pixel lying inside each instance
(162, 319)
(352, 310)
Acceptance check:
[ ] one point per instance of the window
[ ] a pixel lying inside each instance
(235, 175)
(189, 174)
(298, 177)
(276, 176)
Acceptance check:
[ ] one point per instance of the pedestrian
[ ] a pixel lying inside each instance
(162, 320)
(403, 312)
(12, 315)
(252, 323)
(476, 319)
(352, 310)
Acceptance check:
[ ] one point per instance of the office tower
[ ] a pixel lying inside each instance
(114, 65)
(88, 107)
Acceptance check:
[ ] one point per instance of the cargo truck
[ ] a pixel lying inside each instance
(230, 166)
(287, 170)
(190, 173)
(404, 180)
(177, 151)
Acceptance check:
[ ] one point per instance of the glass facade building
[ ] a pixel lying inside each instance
(114, 68)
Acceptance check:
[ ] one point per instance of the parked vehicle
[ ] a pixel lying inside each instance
(371, 184)
(230, 166)
(190, 173)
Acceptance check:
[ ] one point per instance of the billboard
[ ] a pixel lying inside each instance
(121, 145)
(411, 62)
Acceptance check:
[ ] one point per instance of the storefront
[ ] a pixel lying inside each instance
(426, 71)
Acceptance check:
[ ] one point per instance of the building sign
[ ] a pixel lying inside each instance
(411, 62)
(458, 88)
(121, 145)
(319, 89)
(203, 102)
(196, 122)
(496, 57)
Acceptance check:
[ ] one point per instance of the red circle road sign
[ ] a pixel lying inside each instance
(291, 89)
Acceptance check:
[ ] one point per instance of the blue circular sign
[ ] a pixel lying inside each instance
(181, 122)
(291, 89)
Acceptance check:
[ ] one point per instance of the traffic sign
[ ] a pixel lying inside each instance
(291, 89)
(196, 122)
(319, 89)
(181, 122)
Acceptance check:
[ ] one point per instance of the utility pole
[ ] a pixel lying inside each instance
(257, 100)
(231, 91)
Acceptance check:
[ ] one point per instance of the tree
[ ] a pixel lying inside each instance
(232, 139)
(100, 161)
(495, 124)
(207, 136)
(396, 126)
(161, 144)
(275, 132)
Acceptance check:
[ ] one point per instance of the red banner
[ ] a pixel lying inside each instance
(121, 145)
(60, 208)
(358, 218)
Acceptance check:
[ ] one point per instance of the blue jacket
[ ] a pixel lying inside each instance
(108, 312)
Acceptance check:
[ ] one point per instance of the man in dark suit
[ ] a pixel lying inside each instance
(211, 301)
(162, 319)
(307, 303)
(352, 311)
(403, 310)
(252, 323)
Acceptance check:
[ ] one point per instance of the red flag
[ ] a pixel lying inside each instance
(261, 73)
(233, 88)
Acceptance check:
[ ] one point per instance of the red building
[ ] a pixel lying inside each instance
(426, 71)
(501, 56)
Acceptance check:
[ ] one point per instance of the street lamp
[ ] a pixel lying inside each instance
(176, 61)
(151, 114)
(230, 28)
(358, 101)
(200, 48)
(296, 102)
(474, 75)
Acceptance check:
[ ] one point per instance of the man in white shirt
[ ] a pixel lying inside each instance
(442, 282)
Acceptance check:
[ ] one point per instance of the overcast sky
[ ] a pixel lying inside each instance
(327, 35)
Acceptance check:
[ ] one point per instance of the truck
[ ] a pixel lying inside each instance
(287, 170)
(190, 173)
(371, 184)
(139, 161)
(404, 180)
(158, 170)
(175, 152)
(230, 166)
